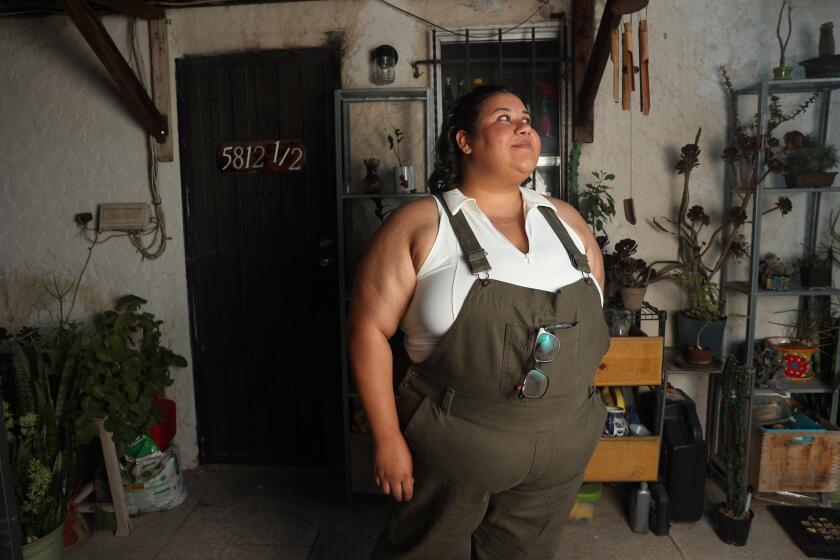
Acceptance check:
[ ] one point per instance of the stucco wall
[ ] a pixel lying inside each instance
(69, 143)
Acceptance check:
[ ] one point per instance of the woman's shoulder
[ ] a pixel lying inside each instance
(572, 218)
(415, 224)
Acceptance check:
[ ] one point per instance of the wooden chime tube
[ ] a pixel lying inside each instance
(627, 82)
(644, 67)
(616, 64)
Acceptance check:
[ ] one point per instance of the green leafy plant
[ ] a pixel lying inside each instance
(808, 156)
(40, 413)
(126, 366)
(596, 204)
(703, 295)
(734, 423)
(776, 114)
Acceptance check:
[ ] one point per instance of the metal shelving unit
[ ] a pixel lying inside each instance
(358, 446)
(812, 195)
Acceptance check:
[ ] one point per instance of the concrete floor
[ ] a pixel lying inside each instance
(258, 513)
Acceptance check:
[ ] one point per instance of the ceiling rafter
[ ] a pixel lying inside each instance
(84, 18)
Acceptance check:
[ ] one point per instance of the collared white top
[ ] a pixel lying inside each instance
(444, 279)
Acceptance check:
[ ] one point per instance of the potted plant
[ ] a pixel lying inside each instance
(808, 336)
(783, 71)
(734, 516)
(597, 206)
(815, 268)
(698, 354)
(40, 411)
(775, 273)
(628, 274)
(808, 161)
(704, 249)
(404, 177)
(127, 367)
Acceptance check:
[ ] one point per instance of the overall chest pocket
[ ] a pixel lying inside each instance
(563, 371)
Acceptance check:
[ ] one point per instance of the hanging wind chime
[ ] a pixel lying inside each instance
(624, 83)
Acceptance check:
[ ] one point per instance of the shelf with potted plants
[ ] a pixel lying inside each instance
(782, 365)
(634, 360)
(805, 162)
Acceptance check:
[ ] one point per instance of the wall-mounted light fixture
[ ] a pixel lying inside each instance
(384, 64)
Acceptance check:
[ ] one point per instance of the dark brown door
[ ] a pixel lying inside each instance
(260, 251)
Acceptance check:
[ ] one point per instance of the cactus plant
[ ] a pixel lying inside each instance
(734, 419)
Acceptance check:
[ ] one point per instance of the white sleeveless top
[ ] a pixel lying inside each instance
(444, 279)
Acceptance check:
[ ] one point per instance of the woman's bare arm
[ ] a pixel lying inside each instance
(383, 288)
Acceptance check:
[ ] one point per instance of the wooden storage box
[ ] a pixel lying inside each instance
(632, 360)
(794, 460)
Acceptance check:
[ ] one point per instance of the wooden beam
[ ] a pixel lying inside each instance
(584, 38)
(159, 54)
(613, 11)
(91, 28)
(134, 8)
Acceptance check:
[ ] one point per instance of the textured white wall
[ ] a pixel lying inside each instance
(69, 142)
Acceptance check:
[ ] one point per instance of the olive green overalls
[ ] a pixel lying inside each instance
(489, 466)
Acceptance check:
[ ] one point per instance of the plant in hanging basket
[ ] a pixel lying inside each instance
(734, 516)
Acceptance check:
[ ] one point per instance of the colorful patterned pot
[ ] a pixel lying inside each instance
(797, 362)
(776, 283)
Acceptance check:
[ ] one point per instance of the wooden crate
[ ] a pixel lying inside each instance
(794, 460)
(631, 360)
(624, 459)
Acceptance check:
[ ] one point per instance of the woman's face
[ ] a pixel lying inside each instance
(503, 143)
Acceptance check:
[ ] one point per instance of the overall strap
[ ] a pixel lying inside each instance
(578, 259)
(476, 255)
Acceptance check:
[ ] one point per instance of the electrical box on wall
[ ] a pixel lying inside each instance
(123, 216)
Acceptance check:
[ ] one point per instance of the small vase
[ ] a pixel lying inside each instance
(48, 547)
(371, 184)
(733, 531)
(632, 298)
(782, 72)
(405, 180)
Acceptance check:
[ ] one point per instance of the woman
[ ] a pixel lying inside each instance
(496, 288)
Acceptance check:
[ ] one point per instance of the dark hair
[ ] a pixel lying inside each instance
(462, 116)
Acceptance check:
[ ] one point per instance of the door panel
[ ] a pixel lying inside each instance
(263, 309)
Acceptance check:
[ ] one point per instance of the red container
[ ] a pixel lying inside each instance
(164, 431)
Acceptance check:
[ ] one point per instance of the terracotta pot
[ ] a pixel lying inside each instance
(632, 298)
(698, 356)
(825, 179)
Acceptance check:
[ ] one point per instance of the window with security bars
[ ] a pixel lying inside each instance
(532, 61)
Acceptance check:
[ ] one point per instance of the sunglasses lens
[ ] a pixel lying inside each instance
(547, 347)
(535, 384)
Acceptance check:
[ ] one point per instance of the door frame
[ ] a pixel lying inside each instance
(189, 228)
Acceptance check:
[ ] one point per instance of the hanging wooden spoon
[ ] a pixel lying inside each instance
(628, 82)
(644, 67)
